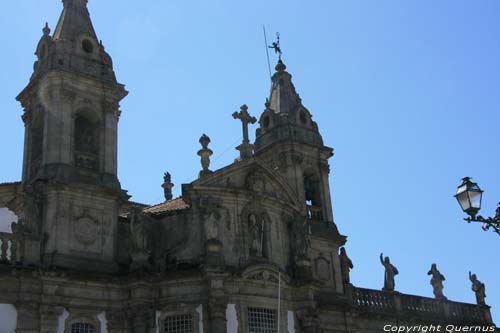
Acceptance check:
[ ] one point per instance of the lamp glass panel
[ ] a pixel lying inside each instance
(463, 200)
(461, 188)
(475, 199)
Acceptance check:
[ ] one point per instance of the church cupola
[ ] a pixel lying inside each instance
(285, 118)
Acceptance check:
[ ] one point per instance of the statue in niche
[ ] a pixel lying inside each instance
(138, 230)
(390, 272)
(301, 236)
(437, 282)
(139, 240)
(478, 288)
(211, 225)
(256, 228)
(345, 266)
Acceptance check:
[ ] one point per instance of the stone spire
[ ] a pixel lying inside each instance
(285, 118)
(74, 46)
(283, 98)
(74, 21)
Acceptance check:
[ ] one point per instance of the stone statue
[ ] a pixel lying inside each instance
(437, 282)
(211, 226)
(300, 232)
(257, 235)
(479, 288)
(345, 265)
(31, 217)
(138, 230)
(139, 240)
(390, 273)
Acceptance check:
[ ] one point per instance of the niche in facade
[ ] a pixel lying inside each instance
(86, 140)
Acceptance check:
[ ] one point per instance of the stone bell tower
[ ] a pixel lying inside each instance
(289, 141)
(290, 137)
(71, 113)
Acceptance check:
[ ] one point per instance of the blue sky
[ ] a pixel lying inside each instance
(407, 92)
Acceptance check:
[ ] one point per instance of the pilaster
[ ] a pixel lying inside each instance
(49, 318)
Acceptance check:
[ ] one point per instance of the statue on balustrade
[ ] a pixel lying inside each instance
(345, 265)
(479, 288)
(390, 273)
(437, 282)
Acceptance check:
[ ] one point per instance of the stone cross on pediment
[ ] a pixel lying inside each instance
(246, 119)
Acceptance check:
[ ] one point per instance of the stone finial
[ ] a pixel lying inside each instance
(205, 154)
(167, 186)
(280, 66)
(204, 141)
(46, 29)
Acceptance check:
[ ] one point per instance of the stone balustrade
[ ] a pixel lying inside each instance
(9, 249)
(416, 306)
(313, 213)
(86, 160)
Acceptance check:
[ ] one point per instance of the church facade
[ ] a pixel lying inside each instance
(251, 247)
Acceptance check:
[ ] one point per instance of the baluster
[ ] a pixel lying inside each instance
(13, 251)
(4, 248)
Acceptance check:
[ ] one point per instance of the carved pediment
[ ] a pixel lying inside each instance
(265, 273)
(254, 178)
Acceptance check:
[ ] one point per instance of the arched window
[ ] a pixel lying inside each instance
(82, 328)
(312, 196)
(86, 141)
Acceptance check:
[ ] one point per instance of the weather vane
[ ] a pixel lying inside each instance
(276, 46)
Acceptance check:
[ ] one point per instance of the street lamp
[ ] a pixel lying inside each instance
(469, 197)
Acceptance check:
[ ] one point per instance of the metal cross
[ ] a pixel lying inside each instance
(245, 120)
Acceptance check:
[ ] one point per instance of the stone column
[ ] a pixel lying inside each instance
(28, 318)
(217, 315)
